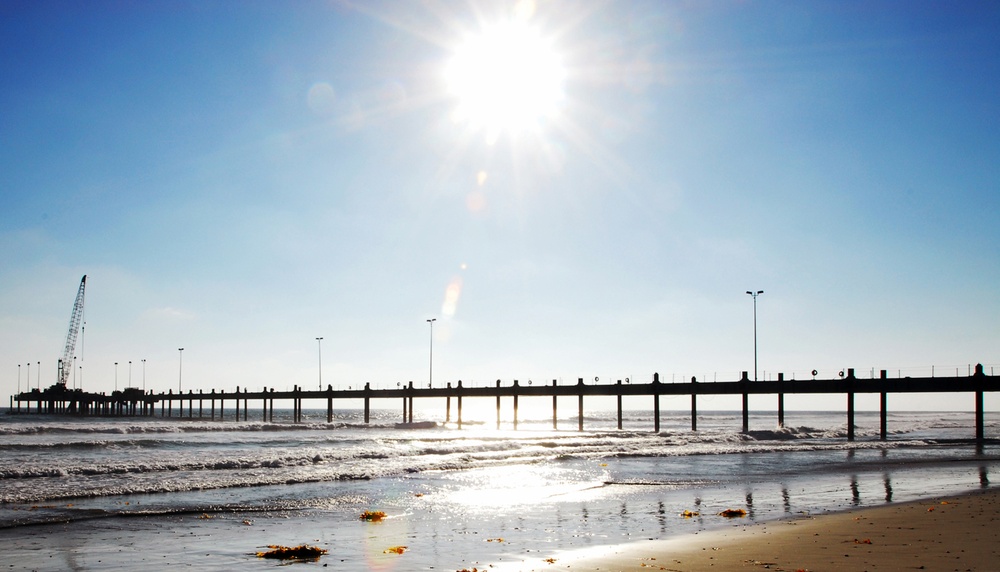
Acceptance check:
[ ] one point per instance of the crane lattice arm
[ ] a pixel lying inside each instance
(65, 364)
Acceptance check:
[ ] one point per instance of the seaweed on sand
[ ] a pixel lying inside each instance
(300, 552)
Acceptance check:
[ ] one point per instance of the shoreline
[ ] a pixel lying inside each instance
(944, 533)
(957, 532)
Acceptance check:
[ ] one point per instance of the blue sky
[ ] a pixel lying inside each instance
(239, 178)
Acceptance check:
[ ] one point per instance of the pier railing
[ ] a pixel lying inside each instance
(133, 402)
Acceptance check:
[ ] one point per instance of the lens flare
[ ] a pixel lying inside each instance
(451, 296)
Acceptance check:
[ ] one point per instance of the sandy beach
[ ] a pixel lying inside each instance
(954, 533)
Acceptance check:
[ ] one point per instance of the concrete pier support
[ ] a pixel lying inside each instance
(781, 401)
(656, 403)
(694, 405)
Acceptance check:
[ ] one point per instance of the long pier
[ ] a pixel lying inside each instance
(57, 399)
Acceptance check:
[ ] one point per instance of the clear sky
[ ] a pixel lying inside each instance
(571, 189)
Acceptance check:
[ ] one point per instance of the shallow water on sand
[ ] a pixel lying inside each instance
(123, 493)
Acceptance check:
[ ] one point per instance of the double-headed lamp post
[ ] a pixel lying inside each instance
(755, 294)
(319, 349)
(430, 372)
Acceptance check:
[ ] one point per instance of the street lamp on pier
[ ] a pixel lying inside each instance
(430, 373)
(319, 351)
(755, 294)
(116, 376)
(180, 367)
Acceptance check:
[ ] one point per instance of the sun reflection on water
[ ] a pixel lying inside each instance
(509, 487)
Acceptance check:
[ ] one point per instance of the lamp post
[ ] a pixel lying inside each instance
(19, 379)
(39, 380)
(755, 294)
(144, 376)
(319, 351)
(27, 377)
(116, 376)
(129, 374)
(430, 373)
(180, 367)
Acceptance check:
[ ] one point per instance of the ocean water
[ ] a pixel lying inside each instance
(455, 497)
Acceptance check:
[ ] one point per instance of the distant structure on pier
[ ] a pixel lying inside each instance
(69, 350)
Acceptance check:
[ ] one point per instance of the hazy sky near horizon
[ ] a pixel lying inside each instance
(571, 189)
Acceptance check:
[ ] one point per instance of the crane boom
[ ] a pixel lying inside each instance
(74, 328)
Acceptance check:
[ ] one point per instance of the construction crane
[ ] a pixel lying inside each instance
(65, 364)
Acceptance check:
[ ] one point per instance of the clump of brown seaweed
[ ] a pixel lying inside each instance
(300, 552)
(394, 550)
(733, 513)
(373, 515)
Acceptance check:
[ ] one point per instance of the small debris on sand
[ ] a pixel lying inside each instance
(394, 550)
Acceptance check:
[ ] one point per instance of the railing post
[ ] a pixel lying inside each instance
(980, 376)
(781, 401)
(458, 410)
(447, 405)
(619, 384)
(745, 380)
(883, 423)
(515, 405)
(410, 398)
(329, 404)
(555, 403)
(656, 402)
(850, 404)
(694, 404)
(368, 389)
(498, 404)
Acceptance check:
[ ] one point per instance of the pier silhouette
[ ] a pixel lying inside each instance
(59, 400)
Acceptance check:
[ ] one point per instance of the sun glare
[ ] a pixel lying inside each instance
(506, 79)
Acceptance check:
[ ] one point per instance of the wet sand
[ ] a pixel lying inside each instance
(956, 533)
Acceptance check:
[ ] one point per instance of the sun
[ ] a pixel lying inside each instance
(506, 79)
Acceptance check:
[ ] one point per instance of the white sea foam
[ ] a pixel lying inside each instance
(176, 462)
